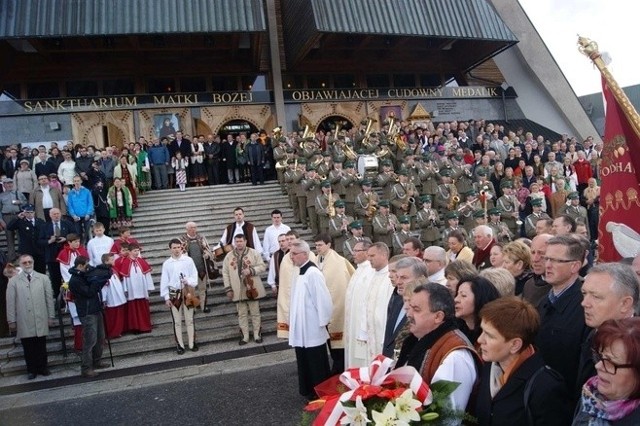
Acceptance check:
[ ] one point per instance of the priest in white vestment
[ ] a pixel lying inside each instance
(355, 345)
(337, 273)
(378, 300)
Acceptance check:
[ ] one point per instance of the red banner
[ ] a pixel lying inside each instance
(620, 175)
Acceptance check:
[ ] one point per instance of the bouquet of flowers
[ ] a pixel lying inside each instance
(375, 395)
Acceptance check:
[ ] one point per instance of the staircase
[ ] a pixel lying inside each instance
(162, 215)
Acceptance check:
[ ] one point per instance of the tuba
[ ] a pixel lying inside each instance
(331, 209)
(349, 152)
(368, 131)
(277, 132)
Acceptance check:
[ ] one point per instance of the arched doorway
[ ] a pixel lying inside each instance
(330, 123)
(235, 127)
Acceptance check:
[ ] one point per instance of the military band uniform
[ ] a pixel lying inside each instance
(338, 229)
(398, 240)
(400, 194)
(530, 223)
(428, 222)
(322, 212)
(382, 232)
(312, 188)
(429, 180)
(448, 230)
(301, 197)
(510, 208)
(350, 244)
(352, 189)
(362, 209)
(386, 182)
(289, 174)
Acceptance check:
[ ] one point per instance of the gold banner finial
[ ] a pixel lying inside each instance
(588, 47)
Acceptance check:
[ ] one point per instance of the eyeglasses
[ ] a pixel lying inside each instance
(26, 262)
(428, 260)
(553, 260)
(361, 250)
(608, 365)
(295, 254)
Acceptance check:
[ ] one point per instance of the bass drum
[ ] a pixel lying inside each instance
(368, 166)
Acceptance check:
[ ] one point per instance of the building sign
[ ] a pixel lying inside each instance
(139, 101)
(106, 103)
(324, 95)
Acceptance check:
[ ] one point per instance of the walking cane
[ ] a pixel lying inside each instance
(104, 327)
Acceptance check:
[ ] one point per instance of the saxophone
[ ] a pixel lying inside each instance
(454, 197)
(371, 207)
(331, 210)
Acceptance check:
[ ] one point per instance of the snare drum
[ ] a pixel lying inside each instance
(367, 163)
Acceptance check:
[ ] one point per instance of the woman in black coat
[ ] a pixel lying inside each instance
(516, 388)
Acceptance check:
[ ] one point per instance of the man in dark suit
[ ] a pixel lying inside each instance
(53, 236)
(11, 164)
(28, 227)
(229, 167)
(180, 144)
(407, 270)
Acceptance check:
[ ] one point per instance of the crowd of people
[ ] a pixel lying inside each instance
(473, 261)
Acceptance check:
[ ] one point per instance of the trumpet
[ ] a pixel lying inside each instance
(358, 176)
(368, 131)
(322, 177)
(277, 132)
(411, 200)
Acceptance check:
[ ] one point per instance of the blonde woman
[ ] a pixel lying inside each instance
(592, 198)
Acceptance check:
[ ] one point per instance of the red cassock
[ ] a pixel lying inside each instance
(136, 277)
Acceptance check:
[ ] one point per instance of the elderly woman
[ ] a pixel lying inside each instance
(25, 179)
(515, 386)
(455, 271)
(501, 279)
(612, 397)
(458, 249)
(517, 260)
(471, 295)
(591, 196)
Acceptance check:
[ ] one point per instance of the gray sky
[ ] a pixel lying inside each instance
(613, 24)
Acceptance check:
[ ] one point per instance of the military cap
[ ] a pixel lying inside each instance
(302, 160)
(28, 208)
(472, 193)
(326, 154)
(311, 167)
(409, 151)
(481, 172)
(387, 163)
(573, 196)
(383, 203)
(452, 215)
(478, 213)
(383, 142)
(536, 202)
(426, 156)
(404, 219)
(506, 184)
(349, 164)
(446, 172)
(339, 203)
(291, 161)
(402, 172)
(325, 184)
(494, 211)
(289, 150)
(425, 198)
(365, 182)
(356, 224)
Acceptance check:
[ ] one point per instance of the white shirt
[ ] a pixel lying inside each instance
(270, 240)
(171, 270)
(97, 246)
(47, 201)
(438, 277)
(238, 230)
(458, 367)
(310, 310)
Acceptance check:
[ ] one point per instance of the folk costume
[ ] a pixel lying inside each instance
(196, 247)
(121, 203)
(137, 282)
(177, 274)
(246, 303)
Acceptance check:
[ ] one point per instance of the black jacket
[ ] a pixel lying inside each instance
(562, 332)
(548, 401)
(86, 287)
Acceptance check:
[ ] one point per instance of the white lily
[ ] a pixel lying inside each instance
(406, 407)
(355, 416)
(387, 417)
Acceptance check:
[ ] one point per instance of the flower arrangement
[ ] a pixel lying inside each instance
(375, 395)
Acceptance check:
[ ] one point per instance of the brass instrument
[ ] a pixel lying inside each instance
(331, 210)
(322, 177)
(368, 131)
(411, 200)
(358, 176)
(307, 132)
(349, 152)
(282, 164)
(455, 197)
(295, 165)
(317, 161)
(383, 152)
(277, 132)
(371, 207)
